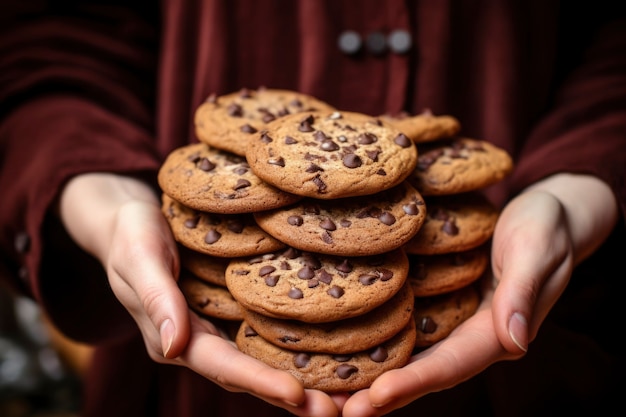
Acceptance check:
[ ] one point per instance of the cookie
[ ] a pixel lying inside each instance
(209, 300)
(315, 288)
(459, 165)
(342, 336)
(424, 127)
(437, 274)
(208, 179)
(436, 317)
(331, 372)
(221, 235)
(205, 267)
(329, 155)
(353, 226)
(454, 223)
(228, 121)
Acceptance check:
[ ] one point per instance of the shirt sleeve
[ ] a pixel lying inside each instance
(585, 132)
(76, 96)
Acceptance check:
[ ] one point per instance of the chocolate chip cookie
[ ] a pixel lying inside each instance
(228, 121)
(425, 126)
(353, 226)
(315, 288)
(329, 155)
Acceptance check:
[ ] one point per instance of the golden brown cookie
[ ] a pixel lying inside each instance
(208, 179)
(209, 300)
(221, 235)
(354, 226)
(206, 267)
(329, 155)
(454, 223)
(341, 336)
(332, 372)
(437, 274)
(436, 317)
(425, 126)
(459, 165)
(315, 288)
(228, 121)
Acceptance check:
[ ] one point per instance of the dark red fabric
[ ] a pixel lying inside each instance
(113, 85)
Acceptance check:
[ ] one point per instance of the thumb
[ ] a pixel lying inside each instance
(531, 260)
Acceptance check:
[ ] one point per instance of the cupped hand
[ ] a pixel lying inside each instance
(132, 239)
(532, 260)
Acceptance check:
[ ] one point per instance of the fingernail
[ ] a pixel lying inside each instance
(167, 331)
(518, 331)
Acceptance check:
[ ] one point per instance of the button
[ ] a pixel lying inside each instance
(21, 243)
(349, 42)
(376, 43)
(400, 41)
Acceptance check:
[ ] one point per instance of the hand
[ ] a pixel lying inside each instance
(538, 239)
(119, 221)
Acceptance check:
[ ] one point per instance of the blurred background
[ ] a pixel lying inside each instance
(40, 369)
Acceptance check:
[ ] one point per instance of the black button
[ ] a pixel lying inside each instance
(376, 43)
(400, 41)
(21, 243)
(349, 42)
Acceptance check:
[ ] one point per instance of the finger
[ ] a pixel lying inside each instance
(146, 261)
(221, 362)
(531, 258)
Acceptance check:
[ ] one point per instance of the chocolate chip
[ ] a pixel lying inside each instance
(295, 293)
(265, 138)
(242, 183)
(234, 110)
(366, 138)
(329, 146)
(291, 253)
(368, 279)
(249, 332)
(313, 282)
(241, 272)
(241, 170)
(373, 154)
(311, 261)
(342, 358)
(235, 225)
(327, 237)
(344, 266)
(248, 128)
(306, 273)
(290, 141)
(345, 223)
(379, 354)
(306, 124)
(352, 161)
(212, 236)
(345, 371)
(267, 269)
(206, 165)
(295, 220)
(387, 218)
(268, 117)
(381, 172)
(284, 265)
(271, 280)
(427, 325)
(403, 141)
(192, 222)
(328, 224)
(320, 136)
(313, 168)
(301, 360)
(324, 277)
(321, 186)
(278, 161)
(335, 291)
(450, 228)
(411, 209)
(385, 274)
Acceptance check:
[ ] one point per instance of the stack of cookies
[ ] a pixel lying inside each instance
(451, 250)
(305, 228)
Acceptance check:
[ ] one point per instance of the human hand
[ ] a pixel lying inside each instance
(538, 239)
(119, 221)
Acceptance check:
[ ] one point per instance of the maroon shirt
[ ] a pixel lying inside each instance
(104, 86)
